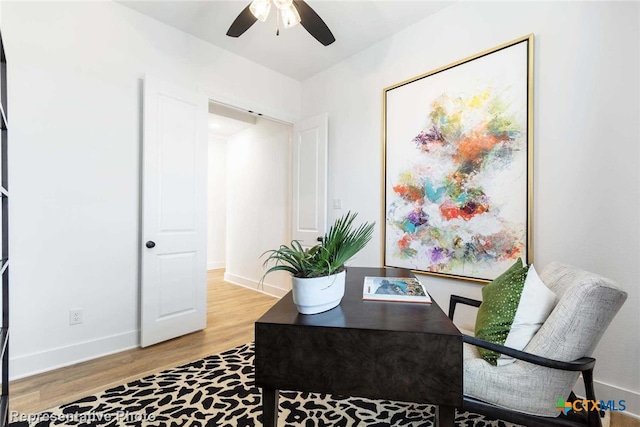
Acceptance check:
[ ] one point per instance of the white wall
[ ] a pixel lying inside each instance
(258, 202)
(586, 127)
(75, 79)
(217, 203)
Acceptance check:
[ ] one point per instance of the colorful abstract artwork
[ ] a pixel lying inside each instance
(457, 166)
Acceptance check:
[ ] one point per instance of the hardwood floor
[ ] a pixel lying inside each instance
(231, 312)
(619, 419)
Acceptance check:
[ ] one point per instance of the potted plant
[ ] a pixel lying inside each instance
(318, 272)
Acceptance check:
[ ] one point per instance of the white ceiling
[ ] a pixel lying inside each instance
(225, 127)
(356, 25)
(225, 121)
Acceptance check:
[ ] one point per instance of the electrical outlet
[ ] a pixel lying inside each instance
(75, 317)
(337, 204)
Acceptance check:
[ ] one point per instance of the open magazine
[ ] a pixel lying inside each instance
(395, 289)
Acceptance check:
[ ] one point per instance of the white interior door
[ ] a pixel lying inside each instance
(174, 208)
(310, 145)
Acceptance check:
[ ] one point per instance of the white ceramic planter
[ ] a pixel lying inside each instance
(319, 294)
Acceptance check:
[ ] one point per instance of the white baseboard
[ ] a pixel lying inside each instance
(608, 392)
(214, 265)
(265, 288)
(48, 360)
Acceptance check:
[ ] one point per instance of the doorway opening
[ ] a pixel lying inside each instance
(249, 194)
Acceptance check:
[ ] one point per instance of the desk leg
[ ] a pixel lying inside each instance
(269, 407)
(445, 416)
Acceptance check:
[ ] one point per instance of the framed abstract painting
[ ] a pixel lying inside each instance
(458, 146)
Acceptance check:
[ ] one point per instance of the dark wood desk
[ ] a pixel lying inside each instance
(380, 350)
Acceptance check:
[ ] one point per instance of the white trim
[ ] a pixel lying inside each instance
(241, 104)
(245, 282)
(215, 265)
(607, 392)
(48, 360)
(630, 415)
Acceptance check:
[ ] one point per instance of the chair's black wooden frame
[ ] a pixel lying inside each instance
(573, 419)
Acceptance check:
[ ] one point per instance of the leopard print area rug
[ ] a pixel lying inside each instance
(219, 391)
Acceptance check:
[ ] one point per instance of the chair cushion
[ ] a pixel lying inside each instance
(520, 386)
(514, 307)
(500, 300)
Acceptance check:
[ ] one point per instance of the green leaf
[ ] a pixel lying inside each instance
(339, 244)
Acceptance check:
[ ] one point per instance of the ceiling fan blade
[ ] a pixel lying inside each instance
(242, 23)
(312, 22)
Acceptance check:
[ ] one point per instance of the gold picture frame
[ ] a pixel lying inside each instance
(458, 166)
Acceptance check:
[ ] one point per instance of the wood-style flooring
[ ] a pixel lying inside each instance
(618, 419)
(231, 313)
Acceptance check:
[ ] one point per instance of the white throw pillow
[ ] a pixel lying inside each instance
(535, 305)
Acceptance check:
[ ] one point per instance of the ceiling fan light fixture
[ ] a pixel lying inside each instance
(298, 12)
(283, 4)
(260, 9)
(290, 16)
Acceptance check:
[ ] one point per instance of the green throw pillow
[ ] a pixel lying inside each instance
(500, 300)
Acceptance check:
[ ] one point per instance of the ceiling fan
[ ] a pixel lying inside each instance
(292, 12)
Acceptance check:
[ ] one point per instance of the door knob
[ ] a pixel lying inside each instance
(319, 239)
(150, 244)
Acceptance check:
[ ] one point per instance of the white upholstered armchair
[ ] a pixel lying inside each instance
(527, 391)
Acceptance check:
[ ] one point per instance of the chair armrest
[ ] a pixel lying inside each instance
(582, 364)
(458, 299)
